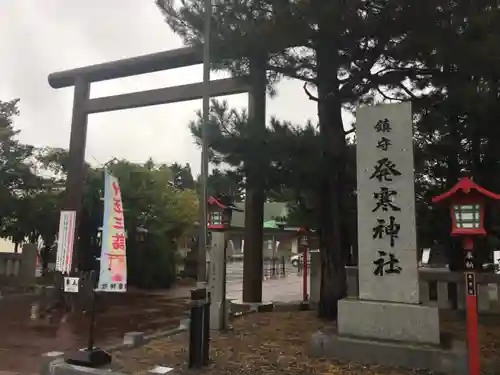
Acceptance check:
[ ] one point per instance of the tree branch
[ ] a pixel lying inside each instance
(350, 131)
(308, 93)
(387, 97)
(292, 73)
(408, 91)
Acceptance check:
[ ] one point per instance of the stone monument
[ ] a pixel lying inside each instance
(219, 309)
(387, 324)
(387, 252)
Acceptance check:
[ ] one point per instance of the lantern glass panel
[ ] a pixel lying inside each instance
(467, 216)
(216, 218)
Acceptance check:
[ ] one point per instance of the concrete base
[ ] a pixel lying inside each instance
(162, 370)
(237, 306)
(61, 368)
(389, 321)
(451, 360)
(133, 339)
(219, 315)
(94, 358)
(47, 361)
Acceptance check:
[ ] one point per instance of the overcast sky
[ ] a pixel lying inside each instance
(38, 37)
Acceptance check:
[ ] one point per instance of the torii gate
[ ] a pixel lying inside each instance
(81, 79)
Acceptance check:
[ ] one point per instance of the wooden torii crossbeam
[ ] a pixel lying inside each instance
(81, 79)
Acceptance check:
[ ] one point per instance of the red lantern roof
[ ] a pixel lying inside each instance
(465, 186)
(215, 201)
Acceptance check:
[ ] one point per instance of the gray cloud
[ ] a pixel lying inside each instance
(38, 37)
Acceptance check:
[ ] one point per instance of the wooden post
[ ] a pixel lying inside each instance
(76, 169)
(254, 200)
(471, 308)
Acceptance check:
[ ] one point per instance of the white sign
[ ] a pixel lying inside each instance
(65, 241)
(71, 284)
(426, 255)
(496, 260)
(386, 204)
(217, 281)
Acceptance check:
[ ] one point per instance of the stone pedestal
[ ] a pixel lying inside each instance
(401, 322)
(219, 309)
(451, 359)
(315, 277)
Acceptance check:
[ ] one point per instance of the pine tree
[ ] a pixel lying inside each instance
(16, 174)
(351, 52)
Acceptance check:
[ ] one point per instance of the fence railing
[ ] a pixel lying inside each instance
(445, 289)
(18, 268)
(274, 268)
(10, 264)
(437, 286)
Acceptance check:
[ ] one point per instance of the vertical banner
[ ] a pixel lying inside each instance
(65, 241)
(113, 272)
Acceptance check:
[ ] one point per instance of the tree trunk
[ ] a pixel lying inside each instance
(454, 138)
(332, 232)
(252, 256)
(255, 197)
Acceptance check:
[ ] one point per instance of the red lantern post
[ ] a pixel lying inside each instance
(467, 201)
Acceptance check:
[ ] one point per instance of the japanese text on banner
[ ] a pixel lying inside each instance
(113, 272)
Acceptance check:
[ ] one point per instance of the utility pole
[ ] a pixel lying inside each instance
(202, 257)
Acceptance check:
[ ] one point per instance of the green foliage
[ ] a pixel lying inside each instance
(227, 183)
(17, 179)
(151, 265)
(292, 153)
(182, 176)
(157, 198)
(151, 203)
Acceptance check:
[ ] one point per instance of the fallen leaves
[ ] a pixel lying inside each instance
(267, 343)
(276, 344)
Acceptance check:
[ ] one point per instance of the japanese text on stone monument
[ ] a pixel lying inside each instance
(386, 204)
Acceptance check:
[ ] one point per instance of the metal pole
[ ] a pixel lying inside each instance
(196, 327)
(196, 335)
(202, 267)
(305, 295)
(91, 345)
(206, 331)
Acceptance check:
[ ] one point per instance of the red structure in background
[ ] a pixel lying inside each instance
(304, 246)
(467, 201)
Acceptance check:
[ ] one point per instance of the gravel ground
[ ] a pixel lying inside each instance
(276, 343)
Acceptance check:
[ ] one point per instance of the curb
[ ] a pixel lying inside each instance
(53, 362)
(137, 339)
(242, 309)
